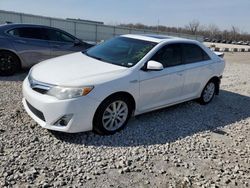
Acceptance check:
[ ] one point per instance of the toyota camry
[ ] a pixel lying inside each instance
(101, 88)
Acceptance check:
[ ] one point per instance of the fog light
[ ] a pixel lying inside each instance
(63, 121)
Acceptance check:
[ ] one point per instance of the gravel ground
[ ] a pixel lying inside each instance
(187, 145)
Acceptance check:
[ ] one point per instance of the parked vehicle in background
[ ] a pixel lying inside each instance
(206, 40)
(23, 45)
(125, 76)
(239, 42)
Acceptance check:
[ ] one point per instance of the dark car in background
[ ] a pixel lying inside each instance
(23, 45)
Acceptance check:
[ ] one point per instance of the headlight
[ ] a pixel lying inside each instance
(69, 92)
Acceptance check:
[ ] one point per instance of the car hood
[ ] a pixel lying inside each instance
(73, 69)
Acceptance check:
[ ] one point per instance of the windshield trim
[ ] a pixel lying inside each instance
(106, 61)
(100, 59)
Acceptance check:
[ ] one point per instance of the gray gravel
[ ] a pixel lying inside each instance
(187, 145)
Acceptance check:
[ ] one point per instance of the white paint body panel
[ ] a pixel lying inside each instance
(73, 70)
(150, 89)
(158, 88)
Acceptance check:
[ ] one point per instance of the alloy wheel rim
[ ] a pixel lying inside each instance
(5, 62)
(115, 115)
(209, 92)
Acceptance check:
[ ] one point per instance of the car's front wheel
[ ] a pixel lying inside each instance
(208, 93)
(112, 115)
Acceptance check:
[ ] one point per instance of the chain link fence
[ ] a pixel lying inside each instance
(93, 32)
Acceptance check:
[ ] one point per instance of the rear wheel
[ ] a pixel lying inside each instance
(208, 93)
(112, 115)
(9, 63)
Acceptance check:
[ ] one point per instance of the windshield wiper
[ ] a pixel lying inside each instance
(87, 54)
(101, 59)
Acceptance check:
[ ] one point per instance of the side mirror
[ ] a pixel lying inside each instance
(77, 42)
(154, 66)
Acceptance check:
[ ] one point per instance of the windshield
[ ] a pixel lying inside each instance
(121, 51)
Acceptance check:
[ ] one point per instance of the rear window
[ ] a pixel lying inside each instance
(193, 53)
(29, 32)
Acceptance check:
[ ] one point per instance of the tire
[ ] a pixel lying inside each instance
(107, 120)
(208, 93)
(9, 63)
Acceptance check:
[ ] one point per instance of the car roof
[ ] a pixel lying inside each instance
(14, 25)
(156, 38)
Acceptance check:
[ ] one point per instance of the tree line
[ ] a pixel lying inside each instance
(194, 27)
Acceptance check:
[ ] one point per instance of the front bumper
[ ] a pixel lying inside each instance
(47, 110)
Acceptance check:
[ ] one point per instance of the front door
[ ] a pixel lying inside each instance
(160, 88)
(61, 43)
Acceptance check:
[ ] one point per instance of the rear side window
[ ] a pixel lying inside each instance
(169, 55)
(29, 32)
(58, 36)
(193, 53)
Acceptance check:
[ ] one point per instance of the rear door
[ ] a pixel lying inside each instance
(31, 44)
(61, 43)
(197, 70)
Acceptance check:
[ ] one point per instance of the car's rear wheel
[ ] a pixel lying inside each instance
(208, 93)
(9, 63)
(112, 115)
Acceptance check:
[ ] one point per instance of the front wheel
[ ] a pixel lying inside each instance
(208, 93)
(112, 115)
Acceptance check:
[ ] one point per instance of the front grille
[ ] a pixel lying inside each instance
(38, 113)
(39, 90)
(38, 86)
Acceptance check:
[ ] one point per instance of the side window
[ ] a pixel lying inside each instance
(193, 53)
(205, 56)
(58, 36)
(66, 38)
(14, 32)
(169, 55)
(29, 32)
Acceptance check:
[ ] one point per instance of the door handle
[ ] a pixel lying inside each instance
(21, 41)
(133, 81)
(179, 73)
(56, 46)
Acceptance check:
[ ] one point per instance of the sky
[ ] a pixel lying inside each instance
(178, 13)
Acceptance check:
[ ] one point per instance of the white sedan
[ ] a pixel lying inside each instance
(101, 88)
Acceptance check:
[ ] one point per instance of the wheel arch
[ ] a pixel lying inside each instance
(128, 96)
(216, 80)
(124, 94)
(10, 51)
(119, 93)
